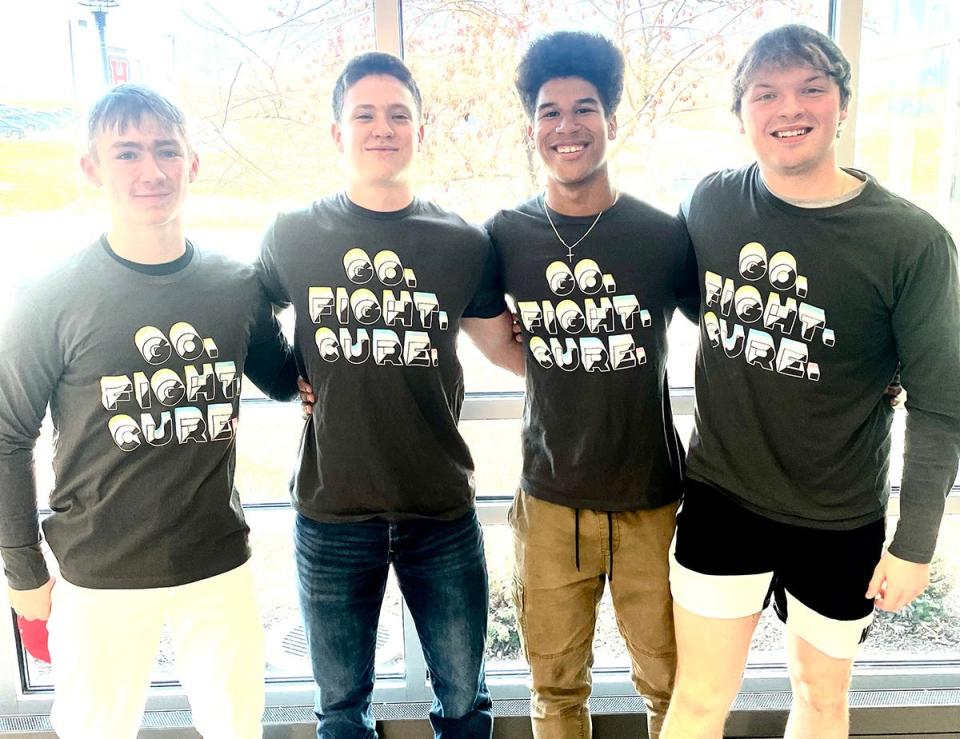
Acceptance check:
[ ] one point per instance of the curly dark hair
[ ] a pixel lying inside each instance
(571, 54)
(789, 46)
(373, 63)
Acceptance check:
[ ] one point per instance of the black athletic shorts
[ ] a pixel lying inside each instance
(729, 562)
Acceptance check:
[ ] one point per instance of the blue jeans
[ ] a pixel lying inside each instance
(440, 566)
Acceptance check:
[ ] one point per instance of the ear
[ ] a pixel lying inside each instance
(612, 127)
(843, 112)
(194, 166)
(91, 170)
(337, 135)
(740, 123)
(420, 136)
(530, 131)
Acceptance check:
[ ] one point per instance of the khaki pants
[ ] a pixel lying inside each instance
(557, 606)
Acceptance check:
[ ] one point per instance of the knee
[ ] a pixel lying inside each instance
(700, 699)
(462, 697)
(824, 691)
(825, 697)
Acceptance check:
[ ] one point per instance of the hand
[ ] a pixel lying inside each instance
(896, 582)
(32, 604)
(895, 394)
(307, 398)
(517, 331)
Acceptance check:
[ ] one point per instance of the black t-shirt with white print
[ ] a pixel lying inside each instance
(597, 428)
(378, 298)
(807, 313)
(140, 369)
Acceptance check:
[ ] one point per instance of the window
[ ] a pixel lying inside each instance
(256, 78)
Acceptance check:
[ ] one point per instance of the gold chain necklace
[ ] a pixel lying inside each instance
(575, 244)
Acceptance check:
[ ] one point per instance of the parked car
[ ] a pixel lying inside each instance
(11, 131)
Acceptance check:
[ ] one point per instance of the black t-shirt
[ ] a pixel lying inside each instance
(806, 314)
(141, 375)
(597, 428)
(378, 300)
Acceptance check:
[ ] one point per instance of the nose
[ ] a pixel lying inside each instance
(791, 106)
(383, 129)
(567, 123)
(150, 169)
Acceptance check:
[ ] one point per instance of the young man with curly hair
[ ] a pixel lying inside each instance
(595, 275)
(816, 282)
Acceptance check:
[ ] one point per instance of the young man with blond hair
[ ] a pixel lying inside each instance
(136, 345)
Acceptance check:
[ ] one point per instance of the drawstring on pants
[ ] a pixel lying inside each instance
(576, 539)
(576, 536)
(610, 542)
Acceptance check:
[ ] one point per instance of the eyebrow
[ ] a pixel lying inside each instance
(138, 145)
(805, 82)
(392, 106)
(580, 101)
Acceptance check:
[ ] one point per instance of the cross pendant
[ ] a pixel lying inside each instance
(569, 254)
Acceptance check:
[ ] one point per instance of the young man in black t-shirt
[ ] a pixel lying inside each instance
(137, 345)
(816, 283)
(381, 283)
(595, 277)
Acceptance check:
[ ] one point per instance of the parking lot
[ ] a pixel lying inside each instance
(18, 122)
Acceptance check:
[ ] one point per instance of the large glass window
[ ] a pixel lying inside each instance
(908, 127)
(255, 79)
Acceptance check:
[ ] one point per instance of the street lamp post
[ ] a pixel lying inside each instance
(99, 9)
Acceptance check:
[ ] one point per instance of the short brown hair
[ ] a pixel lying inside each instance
(790, 46)
(126, 105)
(373, 63)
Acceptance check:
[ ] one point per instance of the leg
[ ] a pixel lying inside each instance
(820, 684)
(341, 575)
(721, 570)
(217, 633)
(711, 655)
(557, 609)
(442, 573)
(820, 595)
(644, 606)
(102, 647)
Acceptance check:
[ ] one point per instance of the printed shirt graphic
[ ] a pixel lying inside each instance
(394, 319)
(806, 314)
(598, 432)
(142, 376)
(378, 299)
(770, 330)
(175, 400)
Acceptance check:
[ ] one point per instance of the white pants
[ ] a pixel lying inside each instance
(103, 644)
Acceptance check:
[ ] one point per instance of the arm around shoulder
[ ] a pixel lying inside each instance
(494, 338)
(270, 358)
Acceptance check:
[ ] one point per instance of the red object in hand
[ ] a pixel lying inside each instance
(34, 636)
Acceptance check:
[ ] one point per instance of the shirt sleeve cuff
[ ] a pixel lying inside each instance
(25, 567)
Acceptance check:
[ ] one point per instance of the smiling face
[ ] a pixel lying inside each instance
(791, 116)
(378, 131)
(144, 170)
(571, 130)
